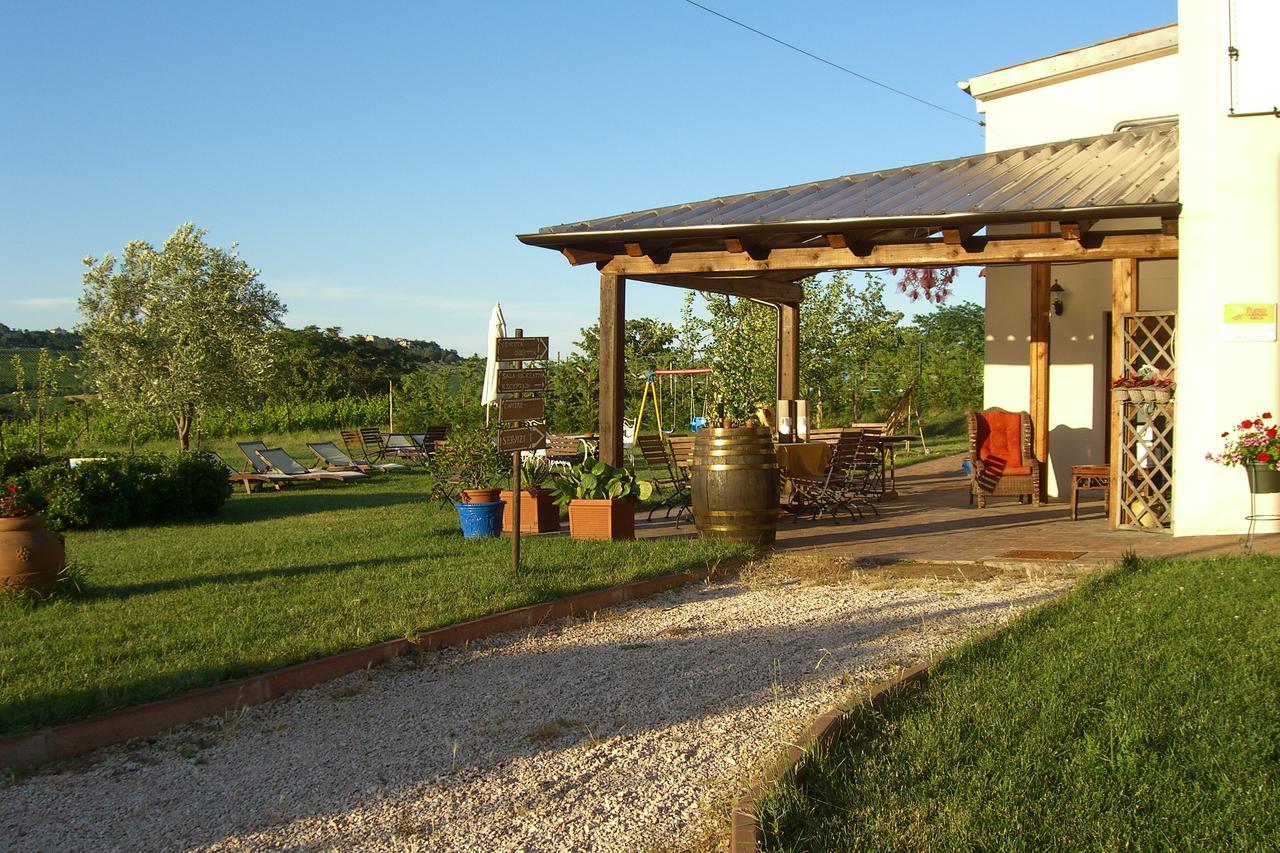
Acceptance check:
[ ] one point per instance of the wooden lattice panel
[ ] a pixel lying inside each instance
(1146, 429)
(1146, 460)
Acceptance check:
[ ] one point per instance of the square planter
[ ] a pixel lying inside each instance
(538, 512)
(607, 519)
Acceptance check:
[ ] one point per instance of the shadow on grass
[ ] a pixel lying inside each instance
(91, 593)
(299, 502)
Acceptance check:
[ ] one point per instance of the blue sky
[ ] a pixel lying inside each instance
(376, 160)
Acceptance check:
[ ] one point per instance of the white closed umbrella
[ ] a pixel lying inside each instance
(497, 329)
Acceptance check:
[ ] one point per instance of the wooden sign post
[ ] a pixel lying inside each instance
(518, 410)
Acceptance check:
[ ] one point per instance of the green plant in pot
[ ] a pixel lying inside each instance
(538, 510)
(472, 458)
(31, 556)
(601, 499)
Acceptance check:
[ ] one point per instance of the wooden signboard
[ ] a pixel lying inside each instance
(523, 349)
(522, 379)
(522, 409)
(522, 438)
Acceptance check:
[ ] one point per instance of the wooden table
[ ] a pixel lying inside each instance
(803, 459)
(888, 471)
(1086, 478)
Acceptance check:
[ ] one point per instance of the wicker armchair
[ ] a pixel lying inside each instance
(1001, 459)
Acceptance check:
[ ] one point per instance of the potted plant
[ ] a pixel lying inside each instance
(473, 458)
(31, 557)
(538, 510)
(1253, 444)
(601, 500)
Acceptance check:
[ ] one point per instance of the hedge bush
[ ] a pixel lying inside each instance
(124, 491)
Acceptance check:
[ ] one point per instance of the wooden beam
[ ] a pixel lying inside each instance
(1124, 300)
(988, 251)
(1169, 227)
(838, 241)
(734, 245)
(752, 288)
(789, 369)
(634, 250)
(758, 253)
(1076, 231)
(613, 317)
(960, 237)
(578, 257)
(1038, 358)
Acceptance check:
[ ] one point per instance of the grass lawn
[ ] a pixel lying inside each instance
(280, 578)
(1140, 712)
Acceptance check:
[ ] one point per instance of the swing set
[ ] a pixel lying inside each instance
(653, 388)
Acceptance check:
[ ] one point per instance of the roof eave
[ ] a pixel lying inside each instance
(565, 239)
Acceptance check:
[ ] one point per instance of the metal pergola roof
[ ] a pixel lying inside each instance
(1133, 173)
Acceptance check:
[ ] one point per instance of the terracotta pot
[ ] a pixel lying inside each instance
(30, 556)
(606, 519)
(478, 496)
(538, 512)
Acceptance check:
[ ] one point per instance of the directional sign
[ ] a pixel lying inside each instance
(522, 379)
(523, 438)
(523, 349)
(522, 409)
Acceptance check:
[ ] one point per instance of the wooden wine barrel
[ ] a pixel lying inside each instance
(735, 485)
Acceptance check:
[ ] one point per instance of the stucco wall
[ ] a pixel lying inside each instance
(1229, 251)
(1085, 106)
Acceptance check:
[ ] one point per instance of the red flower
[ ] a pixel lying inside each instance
(1272, 432)
(1266, 415)
(1246, 424)
(1264, 456)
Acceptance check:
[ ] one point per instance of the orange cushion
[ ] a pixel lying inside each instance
(1000, 442)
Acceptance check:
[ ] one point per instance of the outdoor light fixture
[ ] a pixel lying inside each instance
(1058, 292)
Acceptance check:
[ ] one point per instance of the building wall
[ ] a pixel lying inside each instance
(1087, 105)
(1229, 251)
(1084, 106)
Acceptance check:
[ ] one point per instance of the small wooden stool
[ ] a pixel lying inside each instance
(1086, 478)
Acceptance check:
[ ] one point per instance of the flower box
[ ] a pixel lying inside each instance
(538, 512)
(602, 519)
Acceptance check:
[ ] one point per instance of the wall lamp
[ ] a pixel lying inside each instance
(1058, 294)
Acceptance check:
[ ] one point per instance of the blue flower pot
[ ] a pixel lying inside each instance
(481, 520)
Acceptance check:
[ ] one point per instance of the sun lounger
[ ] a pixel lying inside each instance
(335, 460)
(249, 479)
(276, 459)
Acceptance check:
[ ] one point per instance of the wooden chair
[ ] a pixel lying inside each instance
(1002, 461)
(681, 451)
(564, 450)
(654, 451)
(844, 486)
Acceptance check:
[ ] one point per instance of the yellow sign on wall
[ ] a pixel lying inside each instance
(1249, 321)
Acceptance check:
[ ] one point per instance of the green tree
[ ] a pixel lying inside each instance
(178, 331)
(951, 349)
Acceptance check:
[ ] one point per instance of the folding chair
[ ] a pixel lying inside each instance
(654, 451)
(838, 489)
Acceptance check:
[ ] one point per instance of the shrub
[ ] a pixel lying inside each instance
(123, 491)
(22, 461)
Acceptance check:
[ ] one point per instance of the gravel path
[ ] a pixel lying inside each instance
(631, 731)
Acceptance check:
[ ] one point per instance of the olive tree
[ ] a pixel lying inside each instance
(176, 331)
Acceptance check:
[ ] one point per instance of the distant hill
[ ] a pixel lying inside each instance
(59, 340)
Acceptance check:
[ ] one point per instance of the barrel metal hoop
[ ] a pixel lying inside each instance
(771, 466)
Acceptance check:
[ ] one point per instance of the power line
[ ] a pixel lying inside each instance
(837, 65)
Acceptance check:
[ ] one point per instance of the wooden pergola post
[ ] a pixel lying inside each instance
(1039, 361)
(1124, 300)
(789, 351)
(612, 366)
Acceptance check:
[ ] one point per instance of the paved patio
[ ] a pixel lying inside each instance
(932, 521)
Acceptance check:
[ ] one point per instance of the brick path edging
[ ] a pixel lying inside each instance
(745, 835)
(152, 718)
